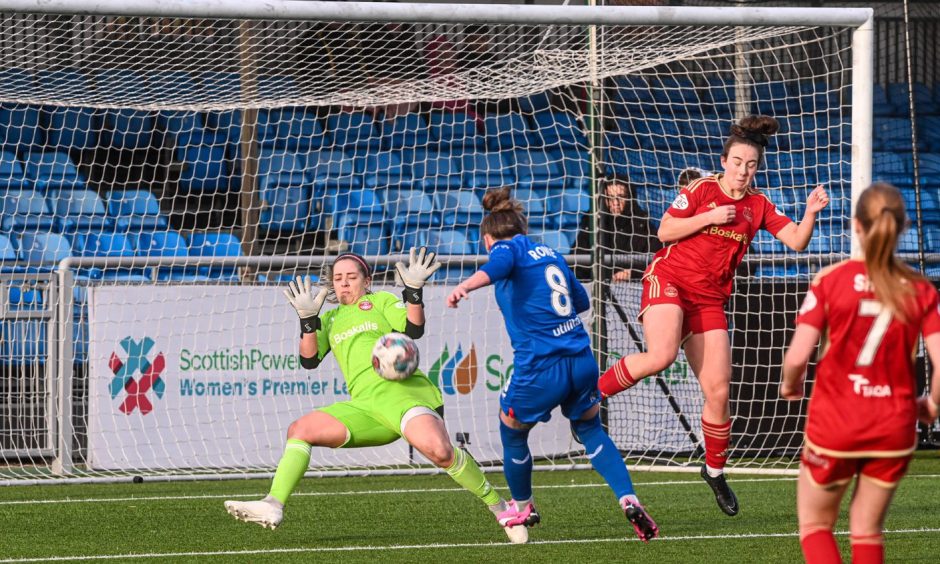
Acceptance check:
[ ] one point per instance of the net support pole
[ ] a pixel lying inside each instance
(863, 63)
(65, 279)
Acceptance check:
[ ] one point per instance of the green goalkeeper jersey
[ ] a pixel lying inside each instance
(350, 331)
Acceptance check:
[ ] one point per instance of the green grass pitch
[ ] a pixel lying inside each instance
(427, 518)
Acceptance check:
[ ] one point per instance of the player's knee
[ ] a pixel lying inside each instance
(663, 358)
(816, 526)
(716, 395)
(440, 454)
(585, 427)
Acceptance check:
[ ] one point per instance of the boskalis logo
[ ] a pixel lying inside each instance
(455, 374)
(136, 375)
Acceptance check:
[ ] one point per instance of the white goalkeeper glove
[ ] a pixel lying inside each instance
(300, 294)
(421, 266)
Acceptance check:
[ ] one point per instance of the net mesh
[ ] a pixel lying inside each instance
(141, 137)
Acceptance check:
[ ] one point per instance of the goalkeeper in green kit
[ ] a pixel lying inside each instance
(379, 411)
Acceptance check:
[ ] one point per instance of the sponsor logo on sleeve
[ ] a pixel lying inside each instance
(809, 302)
(681, 202)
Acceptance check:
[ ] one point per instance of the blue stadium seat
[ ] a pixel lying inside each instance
(506, 132)
(881, 106)
(108, 245)
(19, 128)
(676, 97)
(362, 206)
(635, 95)
(447, 243)
(558, 130)
(575, 164)
(42, 251)
(369, 239)
(285, 192)
(924, 103)
(205, 169)
(8, 255)
(166, 244)
(930, 168)
(405, 131)
(222, 87)
(216, 244)
(932, 239)
(895, 168)
(12, 175)
(135, 210)
(567, 207)
(409, 212)
(73, 128)
(179, 125)
(353, 129)
(271, 86)
(894, 134)
(533, 103)
(79, 210)
(765, 243)
(23, 342)
(487, 170)
(433, 171)
(719, 96)
(459, 208)
(537, 170)
(779, 99)
(333, 170)
(52, 170)
(176, 87)
(384, 170)
(127, 129)
(817, 98)
(455, 130)
(298, 129)
(533, 204)
(24, 210)
(909, 241)
(557, 240)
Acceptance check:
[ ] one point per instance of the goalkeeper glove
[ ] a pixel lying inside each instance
(300, 295)
(421, 266)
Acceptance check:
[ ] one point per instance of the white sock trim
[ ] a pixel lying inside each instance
(714, 472)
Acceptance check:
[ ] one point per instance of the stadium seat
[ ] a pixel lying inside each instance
(216, 244)
(635, 96)
(818, 98)
(333, 171)
(12, 175)
(719, 97)
(205, 166)
(895, 168)
(455, 130)
(486, 170)
(777, 99)
(79, 210)
(533, 204)
(52, 170)
(369, 239)
(556, 240)
(8, 255)
(408, 131)
(285, 192)
(108, 245)
(448, 243)
(924, 103)
(73, 128)
(533, 103)
(881, 106)
(127, 129)
(353, 130)
(894, 135)
(676, 97)
(506, 132)
(19, 128)
(930, 168)
(135, 210)
(558, 130)
(297, 129)
(409, 212)
(384, 170)
(575, 165)
(24, 210)
(166, 244)
(42, 251)
(567, 207)
(23, 342)
(433, 171)
(538, 170)
(179, 124)
(272, 86)
(360, 206)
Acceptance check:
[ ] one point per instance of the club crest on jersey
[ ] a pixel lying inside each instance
(671, 291)
(809, 302)
(365, 305)
(681, 202)
(748, 215)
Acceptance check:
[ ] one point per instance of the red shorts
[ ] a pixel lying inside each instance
(826, 470)
(698, 317)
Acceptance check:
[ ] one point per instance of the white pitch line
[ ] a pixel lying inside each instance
(437, 546)
(353, 492)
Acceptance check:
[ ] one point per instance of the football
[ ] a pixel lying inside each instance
(395, 356)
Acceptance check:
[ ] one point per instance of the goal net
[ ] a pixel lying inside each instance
(188, 167)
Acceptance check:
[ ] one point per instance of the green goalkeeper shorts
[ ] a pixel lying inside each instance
(376, 420)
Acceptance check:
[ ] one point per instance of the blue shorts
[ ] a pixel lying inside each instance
(571, 383)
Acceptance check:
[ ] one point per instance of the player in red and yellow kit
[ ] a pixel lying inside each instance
(708, 229)
(862, 414)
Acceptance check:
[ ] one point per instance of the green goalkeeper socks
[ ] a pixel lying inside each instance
(467, 473)
(290, 469)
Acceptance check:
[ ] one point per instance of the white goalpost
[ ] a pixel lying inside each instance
(166, 166)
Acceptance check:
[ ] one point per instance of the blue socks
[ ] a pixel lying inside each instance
(603, 455)
(517, 461)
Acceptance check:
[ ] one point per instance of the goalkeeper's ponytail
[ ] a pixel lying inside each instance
(505, 219)
(882, 217)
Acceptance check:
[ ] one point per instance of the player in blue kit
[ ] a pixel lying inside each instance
(540, 300)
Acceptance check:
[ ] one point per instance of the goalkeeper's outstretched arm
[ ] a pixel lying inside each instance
(307, 303)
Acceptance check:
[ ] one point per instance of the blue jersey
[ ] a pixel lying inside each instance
(540, 300)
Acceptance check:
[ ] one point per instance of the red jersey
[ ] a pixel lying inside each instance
(864, 400)
(704, 263)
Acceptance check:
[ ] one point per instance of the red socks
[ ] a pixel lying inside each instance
(615, 380)
(717, 438)
(868, 549)
(819, 547)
